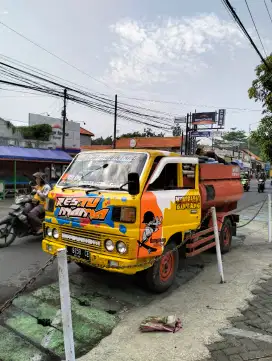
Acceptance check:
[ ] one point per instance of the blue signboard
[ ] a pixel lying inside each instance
(267, 166)
(201, 134)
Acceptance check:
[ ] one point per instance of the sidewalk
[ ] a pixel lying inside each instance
(206, 308)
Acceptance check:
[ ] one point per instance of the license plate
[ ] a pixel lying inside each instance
(78, 253)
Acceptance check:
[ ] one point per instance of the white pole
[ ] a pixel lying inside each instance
(66, 306)
(269, 219)
(217, 243)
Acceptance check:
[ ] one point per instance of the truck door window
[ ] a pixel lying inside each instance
(167, 179)
(188, 173)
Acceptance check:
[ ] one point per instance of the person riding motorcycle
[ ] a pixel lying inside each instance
(36, 209)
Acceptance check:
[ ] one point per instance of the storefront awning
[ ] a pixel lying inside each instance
(33, 154)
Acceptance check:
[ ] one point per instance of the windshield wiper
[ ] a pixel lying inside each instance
(95, 188)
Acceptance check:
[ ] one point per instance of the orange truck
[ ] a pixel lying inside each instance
(134, 211)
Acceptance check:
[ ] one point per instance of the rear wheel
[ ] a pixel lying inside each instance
(162, 274)
(226, 236)
(7, 234)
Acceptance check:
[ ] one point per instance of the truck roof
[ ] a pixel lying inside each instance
(151, 152)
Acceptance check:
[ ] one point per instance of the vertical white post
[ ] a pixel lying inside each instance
(217, 243)
(269, 219)
(66, 306)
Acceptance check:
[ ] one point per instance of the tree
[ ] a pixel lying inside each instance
(176, 131)
(235, 136)
(261, 91)
(148, 132)
(262, 136)
(102, 141)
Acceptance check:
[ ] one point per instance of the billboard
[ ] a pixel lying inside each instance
(203, 118)
(201, 134)
(72, 130)
(221, 117)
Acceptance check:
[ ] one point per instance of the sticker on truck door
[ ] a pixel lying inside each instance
(152, 225)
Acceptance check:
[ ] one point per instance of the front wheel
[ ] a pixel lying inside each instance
(226, 236)
(162, 274)
(7, 234)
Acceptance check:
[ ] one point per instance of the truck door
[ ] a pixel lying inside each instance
(170, 203)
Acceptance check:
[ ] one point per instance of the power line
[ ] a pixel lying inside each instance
(54, 55)
(241, 25)
(189, 104)
(268, 10)
(255, 27)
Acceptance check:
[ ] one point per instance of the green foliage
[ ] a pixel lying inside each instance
(235, 136)
(262, 86)
(176, 131)
(262, 136)
(146, 133)
(38, 132)
(261, 91)
(102, 141)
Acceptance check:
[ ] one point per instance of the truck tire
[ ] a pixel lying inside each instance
(162, 274)
(226, 236)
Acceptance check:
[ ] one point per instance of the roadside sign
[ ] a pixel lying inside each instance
(221, 117)
(267, 166)
(179, 120)
(201, 134)
(203, 118)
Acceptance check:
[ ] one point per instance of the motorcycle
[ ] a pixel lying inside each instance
(246, 184)
(261, 185)
(15, 224)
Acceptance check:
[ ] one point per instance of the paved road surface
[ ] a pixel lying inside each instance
(24, 257)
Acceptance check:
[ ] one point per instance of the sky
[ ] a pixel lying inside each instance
(190, 54)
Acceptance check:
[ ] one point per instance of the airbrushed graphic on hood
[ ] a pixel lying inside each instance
(82, 210)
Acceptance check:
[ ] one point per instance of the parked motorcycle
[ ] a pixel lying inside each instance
(246, 184)
(261, 185)
(15, 224)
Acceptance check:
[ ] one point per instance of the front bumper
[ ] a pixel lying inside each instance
(109, 263)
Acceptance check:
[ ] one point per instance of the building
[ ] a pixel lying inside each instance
(163, 143)
(85, 137)
(10, 136)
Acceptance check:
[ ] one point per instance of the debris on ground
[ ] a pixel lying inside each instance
(156, 323)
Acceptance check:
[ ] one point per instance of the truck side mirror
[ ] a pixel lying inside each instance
(133, 184)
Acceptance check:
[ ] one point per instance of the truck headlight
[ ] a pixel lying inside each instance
(109, 245)
(121, 247)
(55, 233)
(49, 231)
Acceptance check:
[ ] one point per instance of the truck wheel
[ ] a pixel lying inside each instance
(226, 236)
(163, 273)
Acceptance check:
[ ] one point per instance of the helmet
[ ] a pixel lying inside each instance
(40, 175)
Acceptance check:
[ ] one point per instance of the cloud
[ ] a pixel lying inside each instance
(149, 53)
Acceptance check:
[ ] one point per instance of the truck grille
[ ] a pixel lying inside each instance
(86, 238)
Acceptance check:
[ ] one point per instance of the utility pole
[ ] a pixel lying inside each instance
(64, 118)
(115, 123)
(186, 134)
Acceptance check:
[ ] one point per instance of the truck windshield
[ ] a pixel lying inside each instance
(103, 170)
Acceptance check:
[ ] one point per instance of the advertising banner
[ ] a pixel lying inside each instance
(201, 134)
(221, 117)
(204, 118)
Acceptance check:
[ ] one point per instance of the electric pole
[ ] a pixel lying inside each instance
(64, 118)
(115, 123)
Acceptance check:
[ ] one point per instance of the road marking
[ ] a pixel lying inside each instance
(246, 334)
(48, 336)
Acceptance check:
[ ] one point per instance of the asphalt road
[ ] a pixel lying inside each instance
(24, 257)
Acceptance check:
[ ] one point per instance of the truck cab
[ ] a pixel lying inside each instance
(125, 211)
